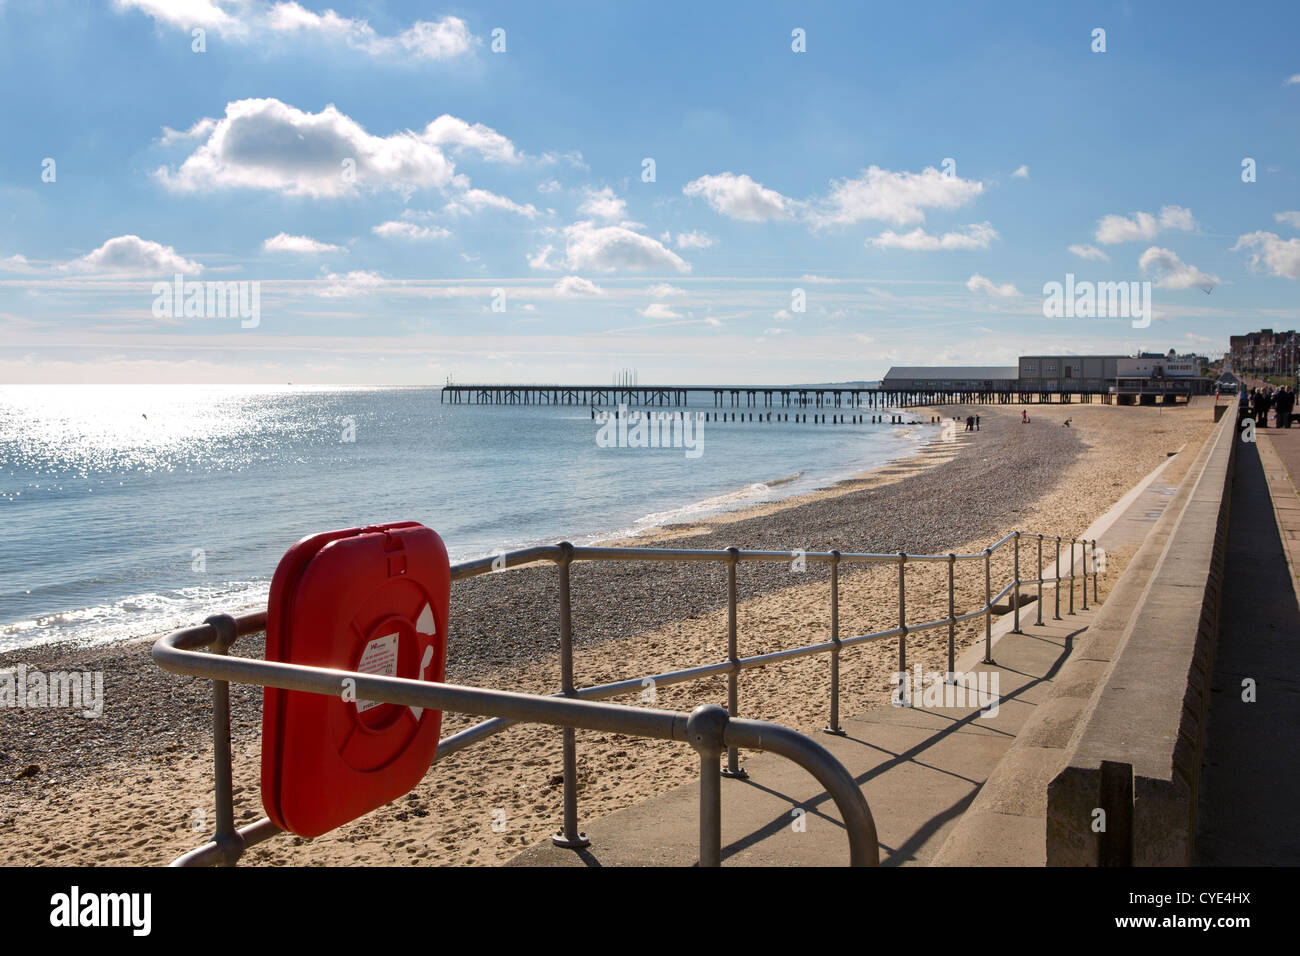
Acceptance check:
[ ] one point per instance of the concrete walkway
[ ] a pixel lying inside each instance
(1250, 779)
(919, 770)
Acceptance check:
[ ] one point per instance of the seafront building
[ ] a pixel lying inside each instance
(1146, 377)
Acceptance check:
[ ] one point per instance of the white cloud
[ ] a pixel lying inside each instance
(1293, 80)
(542, 259)
(478, 199)
(461, 136)
(133, 255)
(739, 197)
(1022, 172)
(603, 204)
(694, 240)
(283, 242)
(1173, 273)
(267, 144)
(577, 285)
(199, 130)
(350, 284)
(977, 283)
(592, 248)
(1273, 254)
(250, 20)
(400, 229)
(16, 263)
(975, 236)
(900, 198)
(1089, 252)
(1143, 226)
(550, 186)
(657, 310)
(1288, 218)
(662, 290)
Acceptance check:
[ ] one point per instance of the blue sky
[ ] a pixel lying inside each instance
(497, 224)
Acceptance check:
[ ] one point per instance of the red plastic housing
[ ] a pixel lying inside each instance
(373, 600)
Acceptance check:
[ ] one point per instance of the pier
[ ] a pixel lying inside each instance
(753, 396)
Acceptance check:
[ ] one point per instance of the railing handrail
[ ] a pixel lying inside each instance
(174, 653)
(709, 729)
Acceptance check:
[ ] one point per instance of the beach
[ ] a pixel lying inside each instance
(134, 785)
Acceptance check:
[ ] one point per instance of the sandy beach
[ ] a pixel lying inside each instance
(133, 786)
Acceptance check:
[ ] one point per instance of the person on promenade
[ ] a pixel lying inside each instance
(1285, 403)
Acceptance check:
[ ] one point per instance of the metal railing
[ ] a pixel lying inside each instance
(709, 729)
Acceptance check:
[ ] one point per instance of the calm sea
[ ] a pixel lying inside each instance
(130, 510)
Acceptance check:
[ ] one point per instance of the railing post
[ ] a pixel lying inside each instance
(1072, 540)
(1083, 544)
(706, 729)
(1015, 586)
(1094, 571)
(226, 835)
(570, 836)
(902, 618)
(732, 769)
(834, 726)
(952, 619)
(1040, 580)
(1057, 578)
(988, 606)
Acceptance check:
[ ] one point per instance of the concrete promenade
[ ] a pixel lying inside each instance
(1250, 776)
(944, 784)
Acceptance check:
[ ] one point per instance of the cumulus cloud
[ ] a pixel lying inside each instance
(1272, 254)
(475, 200)
(16, 263)
(577, 285)
(283, 242)
(133, 255)
(739, 197)
(657, 310)
(1089, 252)
(1143, 226)
(1291, 218)
(603, 204)
(662, 290)
(1022, 172)
(350, 284)
(268, 144)
(592, 248)
(443, 39)
(977, 283)
(1172, 272)
(900, 198)
(411, 232)
(694, 240)
(975, 236)
(1292, 80)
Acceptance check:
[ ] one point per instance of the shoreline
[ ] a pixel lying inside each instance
(941, 498)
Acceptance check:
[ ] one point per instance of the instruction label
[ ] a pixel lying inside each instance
(379, 658)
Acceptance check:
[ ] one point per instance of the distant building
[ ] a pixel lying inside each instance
(1067, 373)
(962, 378)
(1264, 352)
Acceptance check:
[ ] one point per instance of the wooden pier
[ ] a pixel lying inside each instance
(747, 396)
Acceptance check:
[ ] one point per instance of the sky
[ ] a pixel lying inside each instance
(411, 193)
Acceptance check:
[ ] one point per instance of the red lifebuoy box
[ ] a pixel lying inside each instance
(373, 600)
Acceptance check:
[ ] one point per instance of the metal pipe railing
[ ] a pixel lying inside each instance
(708, 729)
(228, 842)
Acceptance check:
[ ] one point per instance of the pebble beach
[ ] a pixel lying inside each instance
(133, 785)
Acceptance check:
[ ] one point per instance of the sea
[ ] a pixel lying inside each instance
(127, 511)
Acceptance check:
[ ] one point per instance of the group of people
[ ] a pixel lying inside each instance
(972, 423)
(1255, 404)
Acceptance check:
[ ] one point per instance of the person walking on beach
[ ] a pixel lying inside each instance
(977, 423)
(970, 423)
